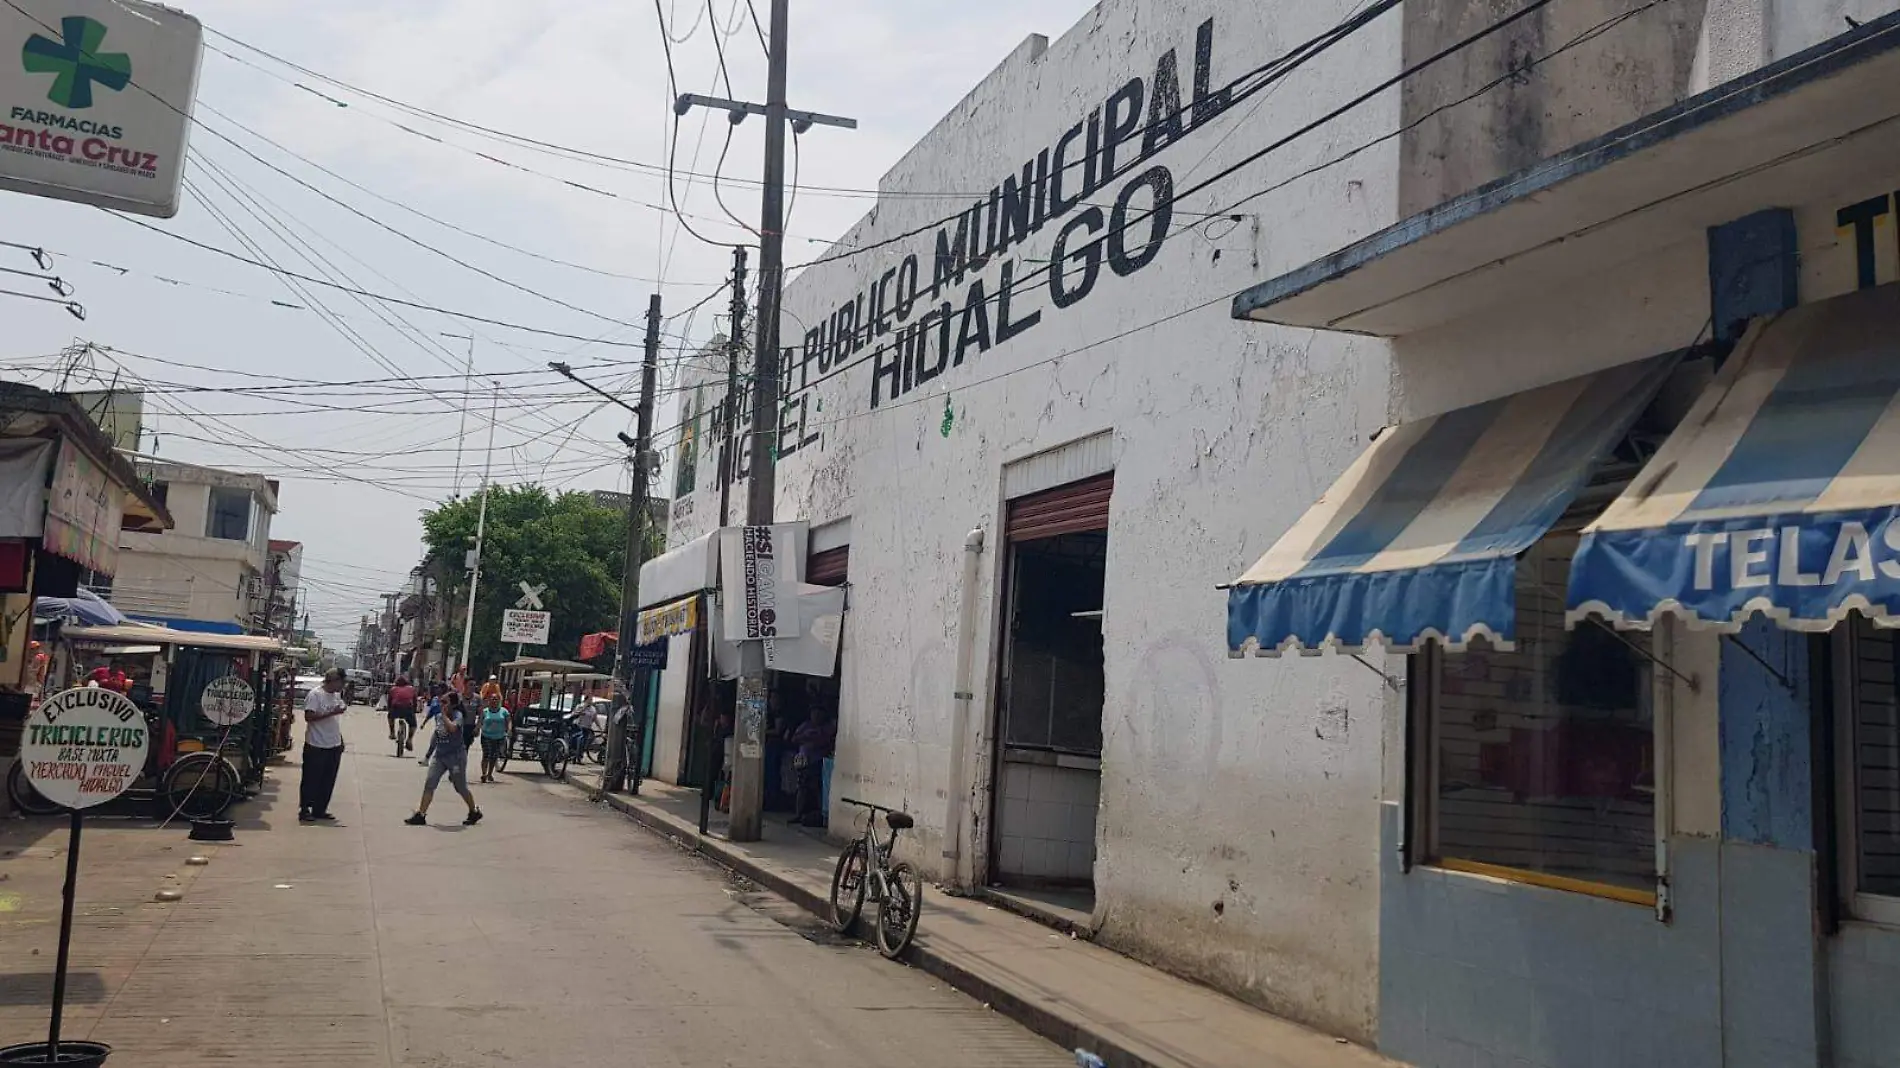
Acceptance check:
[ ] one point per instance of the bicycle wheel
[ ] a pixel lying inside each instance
(26, 800)
(897, 915)
(199, 786)
(402, 737)
(597, 749)
(554, 758)
(847, 888)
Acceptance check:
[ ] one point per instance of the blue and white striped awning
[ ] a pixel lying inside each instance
(1779, 491)
(1419, 538)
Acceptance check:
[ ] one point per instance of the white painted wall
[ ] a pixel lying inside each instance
(1237, 839)
(180, 573)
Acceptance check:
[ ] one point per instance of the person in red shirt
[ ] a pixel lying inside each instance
(402, 705)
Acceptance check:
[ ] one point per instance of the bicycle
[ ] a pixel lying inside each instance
(865, 871)
(552, 751)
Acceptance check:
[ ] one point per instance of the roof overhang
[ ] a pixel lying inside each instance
(1771, 138)
(139, 634)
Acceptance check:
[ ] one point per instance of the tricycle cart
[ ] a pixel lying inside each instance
(211, 738)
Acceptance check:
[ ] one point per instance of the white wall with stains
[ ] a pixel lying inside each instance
(1238, 830)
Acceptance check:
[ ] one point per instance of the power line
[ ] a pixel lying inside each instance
(419, 213)
(382, 297)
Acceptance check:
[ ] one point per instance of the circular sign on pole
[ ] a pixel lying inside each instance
(227, 701)
(84, 747)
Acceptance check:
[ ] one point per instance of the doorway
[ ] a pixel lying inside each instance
(1050, 693)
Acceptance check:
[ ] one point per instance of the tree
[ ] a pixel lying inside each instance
(569, 541)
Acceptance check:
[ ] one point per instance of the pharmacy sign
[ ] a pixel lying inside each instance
(98, 106)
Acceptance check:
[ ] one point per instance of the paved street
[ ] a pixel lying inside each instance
(554, 933)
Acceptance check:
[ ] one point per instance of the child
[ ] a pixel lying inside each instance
(494, 734)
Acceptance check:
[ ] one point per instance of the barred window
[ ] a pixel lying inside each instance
(1539, 762)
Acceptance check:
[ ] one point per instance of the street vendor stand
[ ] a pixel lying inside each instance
(65, 497)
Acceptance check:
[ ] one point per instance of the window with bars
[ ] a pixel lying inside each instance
(1868, 740)
(1539, 762)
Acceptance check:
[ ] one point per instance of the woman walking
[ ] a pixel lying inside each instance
(448, 756)
(494, 733)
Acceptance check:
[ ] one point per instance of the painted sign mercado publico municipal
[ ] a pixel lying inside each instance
(97, 98)
(968, 284)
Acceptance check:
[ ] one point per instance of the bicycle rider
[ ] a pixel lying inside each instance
(402, 705)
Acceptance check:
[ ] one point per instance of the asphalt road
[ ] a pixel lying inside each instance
(555, 933)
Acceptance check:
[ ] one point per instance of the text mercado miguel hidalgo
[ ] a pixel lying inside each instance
(88, 753)
(912, 346)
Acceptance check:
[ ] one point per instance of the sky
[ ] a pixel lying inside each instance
(394, 196)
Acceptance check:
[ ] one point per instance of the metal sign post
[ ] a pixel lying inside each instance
(81, 748)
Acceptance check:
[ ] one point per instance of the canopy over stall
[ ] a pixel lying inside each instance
(1778, 492)
(84, 607)
(1419, 538)
(139, 634)
(681, 572)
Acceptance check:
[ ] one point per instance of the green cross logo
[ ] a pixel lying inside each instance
(76, 62)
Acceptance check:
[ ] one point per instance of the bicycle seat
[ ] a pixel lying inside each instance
(899, 821)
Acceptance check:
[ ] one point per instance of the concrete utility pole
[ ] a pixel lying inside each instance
(748, 764)
(631, 742)
(481, 531)
(391, 628)
(729, 455)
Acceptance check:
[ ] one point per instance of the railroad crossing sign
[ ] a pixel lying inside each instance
(531, 596)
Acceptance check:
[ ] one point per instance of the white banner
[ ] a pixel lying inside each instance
(527, 628)
(759, 568)
(815, 652)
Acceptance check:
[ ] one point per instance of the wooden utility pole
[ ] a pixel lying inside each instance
(729, 422)
(632, 740)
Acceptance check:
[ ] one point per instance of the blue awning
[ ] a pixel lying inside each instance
(1779, 493)
(1419, 538)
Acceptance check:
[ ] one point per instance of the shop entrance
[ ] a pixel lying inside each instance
(1050, 691)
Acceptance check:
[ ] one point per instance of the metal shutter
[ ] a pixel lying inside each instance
(1069, 509)
(829, 568)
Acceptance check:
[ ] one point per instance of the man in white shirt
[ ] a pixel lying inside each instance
(322, 747)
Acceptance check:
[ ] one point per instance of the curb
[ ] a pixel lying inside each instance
(1043, 1017)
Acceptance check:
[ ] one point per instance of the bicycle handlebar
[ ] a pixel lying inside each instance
(867, 804)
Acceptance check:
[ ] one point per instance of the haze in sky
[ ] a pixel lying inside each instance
(291, 168)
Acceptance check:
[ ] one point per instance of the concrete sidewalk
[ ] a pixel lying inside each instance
(1076, 994)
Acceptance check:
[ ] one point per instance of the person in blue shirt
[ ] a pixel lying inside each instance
(494, 734)
(436, 690)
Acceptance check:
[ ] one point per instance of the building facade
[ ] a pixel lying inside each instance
(283, 587)
(1037, 359)
(210, 571)
(1483, 266)
(1638, 791)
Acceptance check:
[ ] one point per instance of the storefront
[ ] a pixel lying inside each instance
(1629, 563)
(680, 598)
(64, 498)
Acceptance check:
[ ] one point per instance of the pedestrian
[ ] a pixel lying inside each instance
(434, 710)
(448, 755)
(322, 747)
(494, 734)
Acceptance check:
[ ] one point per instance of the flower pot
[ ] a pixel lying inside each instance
(72, 1054)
